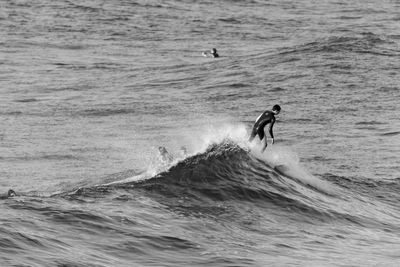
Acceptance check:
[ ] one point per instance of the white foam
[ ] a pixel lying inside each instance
(287, 162)
(217, 134)
(136, 178)
(282, 158)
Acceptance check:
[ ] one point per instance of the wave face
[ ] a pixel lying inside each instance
(221, 173)
(224, 172)
(228, 196)
(227, 172)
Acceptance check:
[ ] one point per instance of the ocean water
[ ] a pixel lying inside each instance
(90, 89)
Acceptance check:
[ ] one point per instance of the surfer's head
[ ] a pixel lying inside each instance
(11, 193)
(214, 52)
(211, 53)
(276, 109)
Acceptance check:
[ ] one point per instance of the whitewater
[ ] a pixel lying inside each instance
(91, 91)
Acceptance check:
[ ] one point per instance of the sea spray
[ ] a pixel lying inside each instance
(287, 162)
(216, 134)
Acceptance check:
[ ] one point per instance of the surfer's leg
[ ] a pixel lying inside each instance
(252, 135)
(262, 136)
(265, 144)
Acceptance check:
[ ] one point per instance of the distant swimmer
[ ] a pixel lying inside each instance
(164, 156)
(10, 193)
(212, 53)
(267, 117)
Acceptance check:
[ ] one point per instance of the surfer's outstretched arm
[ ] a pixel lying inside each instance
(271, 133)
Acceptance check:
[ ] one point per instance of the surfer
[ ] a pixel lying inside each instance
(212, 53)
(10, 193)
(267, 117)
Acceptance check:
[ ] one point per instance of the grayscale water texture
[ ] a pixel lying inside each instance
(89, 89)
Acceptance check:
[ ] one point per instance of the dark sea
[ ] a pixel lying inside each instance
(91, 89)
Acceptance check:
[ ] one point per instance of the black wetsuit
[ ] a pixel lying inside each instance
(10, 193)
(261, 122)
(210, 54)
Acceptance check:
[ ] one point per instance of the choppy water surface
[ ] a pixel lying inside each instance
(91, 89)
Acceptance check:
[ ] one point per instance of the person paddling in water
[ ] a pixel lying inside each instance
(10, 193)
(267, 117)
(212, 53)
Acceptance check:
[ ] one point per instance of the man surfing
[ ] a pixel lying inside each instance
(267, 117)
